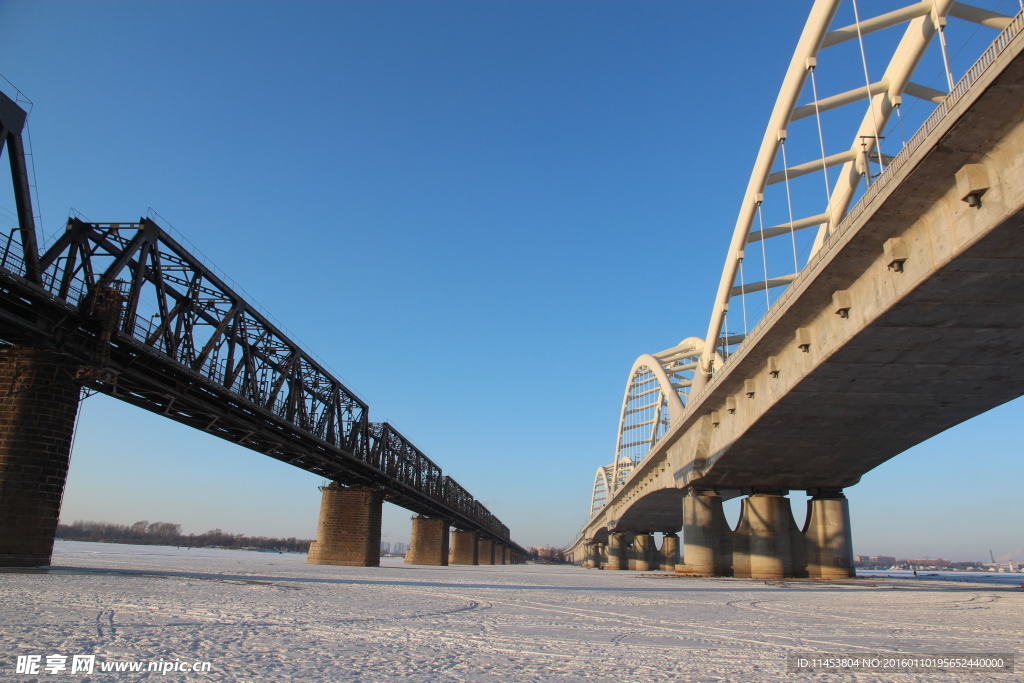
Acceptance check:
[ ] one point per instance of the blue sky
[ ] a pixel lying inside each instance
(478, 214)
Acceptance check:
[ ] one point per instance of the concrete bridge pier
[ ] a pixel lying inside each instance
(669, 554)
(767, 543)
(38, 404)
(645, 550)
(348, 532)
(485, 551)
(463, 547)
(594, 555)
(499, 553)
(617, 558)
(707, 546)
(827, 538)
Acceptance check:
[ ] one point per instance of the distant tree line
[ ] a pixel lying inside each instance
(548, 555)
(165, 533)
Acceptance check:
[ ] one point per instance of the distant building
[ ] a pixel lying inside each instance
(927, 564)
(874, 562)
(890, 562)
(385, 548)
(968, 566)
(398, 548)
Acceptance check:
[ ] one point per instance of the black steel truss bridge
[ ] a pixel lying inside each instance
(147, 322)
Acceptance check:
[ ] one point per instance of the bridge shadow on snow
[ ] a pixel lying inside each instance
(670, 584)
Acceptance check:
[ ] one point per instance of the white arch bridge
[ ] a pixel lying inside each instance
(872, 296)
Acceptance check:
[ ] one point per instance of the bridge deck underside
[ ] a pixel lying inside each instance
(950, 351)
(946, 351)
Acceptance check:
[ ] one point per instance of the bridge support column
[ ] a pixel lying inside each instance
(827, 537)
(348, 533)
(617, 551)
(499, 553)
(485, 551)
(669, 554)
(594, 555)
(707, 539)
(38, 404)
(764, 539)
(645, 549)
(463, 550)
(428, 542)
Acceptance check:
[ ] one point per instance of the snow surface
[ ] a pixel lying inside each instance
(271, 617)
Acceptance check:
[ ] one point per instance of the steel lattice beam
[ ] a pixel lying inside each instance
(151, 325)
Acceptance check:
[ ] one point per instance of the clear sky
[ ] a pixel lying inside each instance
(478, 213)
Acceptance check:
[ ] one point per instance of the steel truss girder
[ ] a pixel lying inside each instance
(12, 121)
(208, 359)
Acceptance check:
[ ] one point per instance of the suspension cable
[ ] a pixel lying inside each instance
(940, 24)
(899, 121)
(764, 257)
(721, 337)
(789, 197)
(743, 298)
(812, 66)
(871, 98)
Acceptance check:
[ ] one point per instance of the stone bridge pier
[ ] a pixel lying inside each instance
(349, 532)
(463, 547)
(428, 543)
(38, 405)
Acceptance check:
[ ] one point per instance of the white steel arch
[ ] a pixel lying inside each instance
(656, 394)
(924, 21)
(603, 485)
(659, 384)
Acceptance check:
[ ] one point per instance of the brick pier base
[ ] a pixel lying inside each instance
(349, 529)
(428, 543)
(485, 551)
(38, 404)
(463, 550)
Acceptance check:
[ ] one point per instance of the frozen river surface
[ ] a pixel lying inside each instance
(270, 617)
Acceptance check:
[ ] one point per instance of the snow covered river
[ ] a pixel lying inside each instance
(269, 617)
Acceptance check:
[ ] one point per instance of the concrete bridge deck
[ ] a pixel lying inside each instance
(907, 322)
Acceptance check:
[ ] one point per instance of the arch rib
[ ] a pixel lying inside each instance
(667, 395)
(923, 19)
